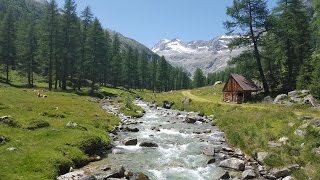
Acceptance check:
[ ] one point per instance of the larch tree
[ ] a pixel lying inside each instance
(7, 45)
(251, 17)
(48, 38)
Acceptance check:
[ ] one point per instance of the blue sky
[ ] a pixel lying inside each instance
(149, 21)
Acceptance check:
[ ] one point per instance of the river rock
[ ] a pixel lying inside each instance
(117, 151)
(130, 142)
(148, 144)
(261, 156)
(248, 174)
(280, 173)
(209, 151)
(89, 177)
(131, 129)
(233, 163)
(225, 176)
(139, 176)
(279, 98)
(211, 161)
(155, 128)
(193, 118)
(118, 174)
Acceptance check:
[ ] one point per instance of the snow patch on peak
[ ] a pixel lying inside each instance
(210, 56)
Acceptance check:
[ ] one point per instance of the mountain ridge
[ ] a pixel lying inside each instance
(208, 55)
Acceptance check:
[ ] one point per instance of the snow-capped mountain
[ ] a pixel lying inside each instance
(210, 56)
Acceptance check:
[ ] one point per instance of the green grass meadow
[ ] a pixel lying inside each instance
(251, 126)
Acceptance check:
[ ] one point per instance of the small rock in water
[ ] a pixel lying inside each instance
(117, 151)
(211, 161)
(139, 176)
(148, 144)
(131, 129)
(209, 151)
(94, 158)
(225, 176)
(130, 142)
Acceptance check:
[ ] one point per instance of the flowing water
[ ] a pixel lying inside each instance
(179, 152)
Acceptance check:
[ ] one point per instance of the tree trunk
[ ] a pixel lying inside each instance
(257, 56)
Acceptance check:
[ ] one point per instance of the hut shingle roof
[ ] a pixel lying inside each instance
(244, 83)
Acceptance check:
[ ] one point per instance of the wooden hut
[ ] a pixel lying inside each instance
(238, 89)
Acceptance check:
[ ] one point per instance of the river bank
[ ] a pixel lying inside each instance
(171, 144)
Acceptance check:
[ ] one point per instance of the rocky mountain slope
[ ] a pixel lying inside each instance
(210, 56)
(127, 42)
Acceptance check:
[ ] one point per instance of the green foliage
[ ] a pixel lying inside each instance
(251, 17)
(199, 80)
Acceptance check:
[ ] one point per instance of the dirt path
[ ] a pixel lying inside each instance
(194, 97)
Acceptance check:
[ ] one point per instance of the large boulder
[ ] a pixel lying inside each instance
(310, 100)
(217, 83)
(130, 142)
(292, 93)
(148, 144)
(193, 118)
(279, 98)
(268, 99)
(167, 104)
(186, 101)
(233, 163)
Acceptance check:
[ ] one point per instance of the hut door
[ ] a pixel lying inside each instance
(240, 97)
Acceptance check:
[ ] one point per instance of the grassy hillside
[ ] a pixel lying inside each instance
(251, 126)
(45, 147)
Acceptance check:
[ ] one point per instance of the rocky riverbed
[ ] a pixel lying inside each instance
(170, 144)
